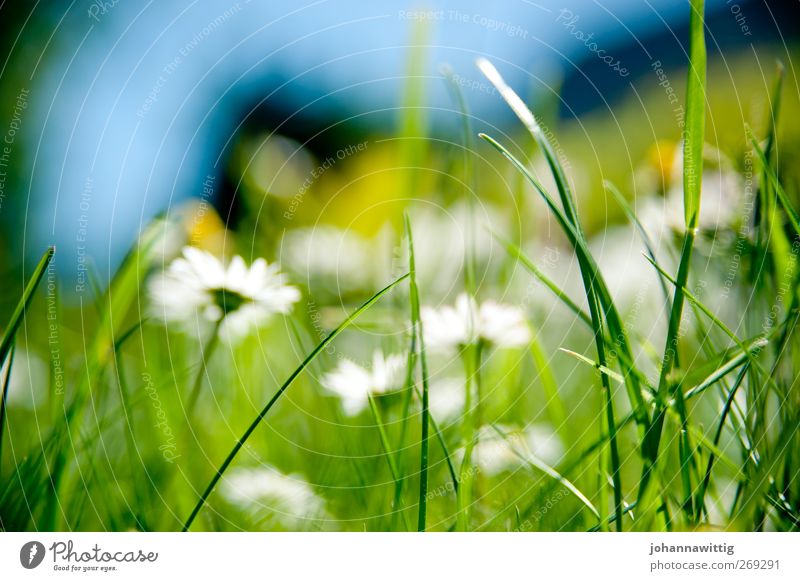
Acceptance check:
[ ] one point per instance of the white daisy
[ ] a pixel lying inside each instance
(544, 444)
(289, 497)
(495, 453)
(334, 261)
(723, 200)
(468, 323)
(444, 238)
(446, 398)
(354, 383)
(199, 285)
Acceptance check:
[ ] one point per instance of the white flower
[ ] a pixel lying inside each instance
(28, 381)
(544, 444)
(446, 398)
(467, 323)
(353, 383)
(290, 497)
(495, 453)
(444, 238)
(199, 285)
(722, 200)
(338, 261)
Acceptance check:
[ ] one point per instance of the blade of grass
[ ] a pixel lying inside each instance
(774, 108)
(592, 279)
(406, 407)
(4, 399)
(457, 96)
(601, 368)
(535, 462)
(529, 121)
(720, 324)
(598, 298)
(648, 243)
(258, 419)
(387, 451)
(555, 405)
(416, 321)
(692, 183)
(206, 351)
(722, 371)
(794, 219)
(445, 451)
(529, 265)
(443, 444)
(701, 492)
(471, 356)
(588, 273)
(584, 455)
(24, 302)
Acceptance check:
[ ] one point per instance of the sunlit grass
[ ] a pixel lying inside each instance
(586, 423)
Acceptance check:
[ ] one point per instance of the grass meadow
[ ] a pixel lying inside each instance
(424, 335)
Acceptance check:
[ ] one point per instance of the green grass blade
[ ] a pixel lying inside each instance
(525, 115)
(601, 368)
(24, 301)
(387, 451)
(555, 405)
(259, 418)
(648, 243)
(726, 408)
(694, 133)
(529, 265)
(457, 96)
(471, 356)
(376, 416)
(4, 399)
(408, 394)
(550, 471)
(692, 183)
(516, 252)
(416, 321)
(442, 444)
(774, 108)
(592, 279)
(721, 325)
(723, 370)
(794, 219)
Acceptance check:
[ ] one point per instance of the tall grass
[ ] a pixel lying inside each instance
(643, 451)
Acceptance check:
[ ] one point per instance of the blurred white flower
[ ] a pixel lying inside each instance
(27, 386)
(288, 497)
(162, 240)
(337, 260)
(467, 323)
(631, 279)
(443, 239)
(495, 453)
(446, 398)
(544, 444)
(353, 383)
(199, 285)
(722, 199)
